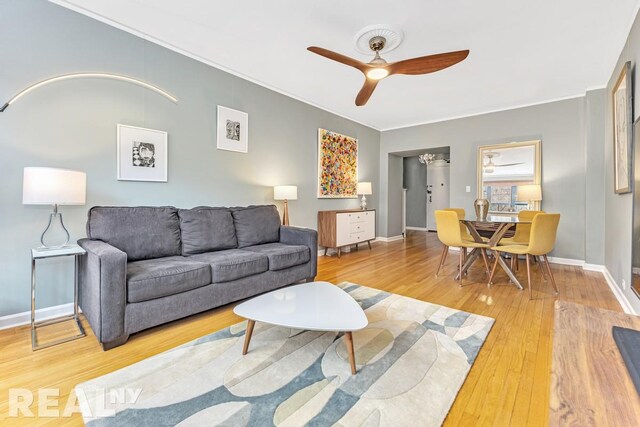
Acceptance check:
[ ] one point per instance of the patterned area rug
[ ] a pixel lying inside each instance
(412, 360)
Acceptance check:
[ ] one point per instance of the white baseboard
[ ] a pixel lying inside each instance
(24, 318)
(617, 291)
(594, 267)
(620, 296)
(389, 239)
(567, 261)
(416, 228)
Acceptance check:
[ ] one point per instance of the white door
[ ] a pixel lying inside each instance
(437, 191)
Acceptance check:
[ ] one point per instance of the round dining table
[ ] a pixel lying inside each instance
(501, 224)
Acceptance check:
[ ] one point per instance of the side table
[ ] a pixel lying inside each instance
(42, 253)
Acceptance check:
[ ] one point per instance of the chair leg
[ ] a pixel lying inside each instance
(541, 267)
(493, 270)
(485, 259)
(460, 262)
(529, 277)
(443, 257)
(553, 280)
(516, 261)
(464, 257)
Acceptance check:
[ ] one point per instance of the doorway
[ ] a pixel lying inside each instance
(437, 190)
(426, 187)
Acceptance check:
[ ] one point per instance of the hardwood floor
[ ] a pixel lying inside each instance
(508, 384)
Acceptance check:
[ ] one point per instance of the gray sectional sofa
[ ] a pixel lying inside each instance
(150, 265)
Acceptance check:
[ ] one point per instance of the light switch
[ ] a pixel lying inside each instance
(468, 189)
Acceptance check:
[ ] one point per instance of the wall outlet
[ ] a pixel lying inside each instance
(468, 189)
(624, 284)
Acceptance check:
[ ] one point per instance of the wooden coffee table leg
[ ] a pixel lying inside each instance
(348, 341)
(247, 336)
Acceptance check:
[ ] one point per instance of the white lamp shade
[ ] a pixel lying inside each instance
(364, 188)
(529, 193)
(285, 192)
(50, 186)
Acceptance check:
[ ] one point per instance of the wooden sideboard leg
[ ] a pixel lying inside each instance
(369, 243)
(325, 251)
(338, 252)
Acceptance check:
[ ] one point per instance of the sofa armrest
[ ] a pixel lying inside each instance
(302, 236)
(102, 284)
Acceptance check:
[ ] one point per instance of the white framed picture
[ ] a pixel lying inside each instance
(142, 154)
(233, 130)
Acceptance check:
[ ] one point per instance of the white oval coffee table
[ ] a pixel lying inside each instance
(315, 306)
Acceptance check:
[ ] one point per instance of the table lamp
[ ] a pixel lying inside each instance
(364, 189)
(529, 193)
(286, 193)
(50, 186)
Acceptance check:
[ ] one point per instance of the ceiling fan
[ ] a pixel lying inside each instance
(490, 167)
(377, 69)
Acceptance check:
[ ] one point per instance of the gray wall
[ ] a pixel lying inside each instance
(392, 166)
(595, 176)
(73, 125)
(415, 181)
(560, 126)
(618, 207)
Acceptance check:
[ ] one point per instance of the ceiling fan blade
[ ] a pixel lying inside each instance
(338, 57)
(366, 91)
(427, 64)
(510, 164)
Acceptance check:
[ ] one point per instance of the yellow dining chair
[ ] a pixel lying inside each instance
(521, 236)
(464, 231)
(449, 233)
(544, 228)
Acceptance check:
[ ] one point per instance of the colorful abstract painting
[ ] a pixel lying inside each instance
(337, 165)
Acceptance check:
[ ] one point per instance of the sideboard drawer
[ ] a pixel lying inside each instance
(357, 227)
(357, 237)
(355, 218)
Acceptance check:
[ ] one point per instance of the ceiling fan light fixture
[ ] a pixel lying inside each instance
(377, 73)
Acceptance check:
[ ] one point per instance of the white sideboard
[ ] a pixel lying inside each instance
(337, 229)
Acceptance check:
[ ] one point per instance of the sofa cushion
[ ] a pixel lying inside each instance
(206, 229)
(282, 256)
(159, 277)
(233, 264)
(140, 232)
(256, 225)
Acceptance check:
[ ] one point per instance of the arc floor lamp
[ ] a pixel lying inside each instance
(88, 75)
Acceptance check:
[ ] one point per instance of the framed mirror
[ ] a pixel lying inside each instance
(509, 176)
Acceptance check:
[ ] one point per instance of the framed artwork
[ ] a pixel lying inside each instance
(233, 130)
(142, 154)
(337, 165)
(622, 131)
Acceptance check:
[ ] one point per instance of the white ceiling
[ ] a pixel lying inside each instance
(522, 52)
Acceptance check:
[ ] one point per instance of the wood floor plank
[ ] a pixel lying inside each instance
(509, 382)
